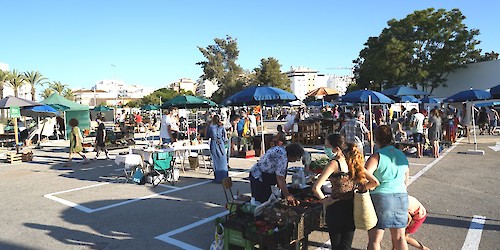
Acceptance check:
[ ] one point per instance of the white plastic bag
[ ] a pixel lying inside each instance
(218, 243)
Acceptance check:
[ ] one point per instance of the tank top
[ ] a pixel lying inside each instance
(342, 185)
(391, 171)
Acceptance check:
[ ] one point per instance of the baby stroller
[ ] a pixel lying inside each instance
(163, 168)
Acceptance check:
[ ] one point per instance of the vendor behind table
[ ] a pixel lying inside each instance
(271, 170)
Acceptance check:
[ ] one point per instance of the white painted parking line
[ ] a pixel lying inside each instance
(423, 170)
(418, 164)
(166, 237)
(89, 210)
(149, 196)
(69, 203)
(80, 188)
(473, 237)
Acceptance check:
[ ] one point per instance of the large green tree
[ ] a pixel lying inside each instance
(269, 73)
(16, 80)
(221, 67)
(34, 78)
(419, 50)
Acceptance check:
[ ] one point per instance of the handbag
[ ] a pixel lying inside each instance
(365, 217)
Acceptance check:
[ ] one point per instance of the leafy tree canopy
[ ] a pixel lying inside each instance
(269, 73)
(163, 94)
(221, 67)
(419, 50)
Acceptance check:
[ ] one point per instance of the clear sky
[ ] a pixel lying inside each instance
(154, 43)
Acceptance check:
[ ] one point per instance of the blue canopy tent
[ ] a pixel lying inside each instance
(259, 95)
(408, 98)
(369, 97)
(38, 112)
(487, 104)
(429, 99)
(469, 96)
(495, 91)
(403, 91)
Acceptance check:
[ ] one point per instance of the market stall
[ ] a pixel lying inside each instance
(277, 226)
(73, 110)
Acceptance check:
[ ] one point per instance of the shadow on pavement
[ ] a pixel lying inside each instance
(134, 225)
(72, 237)
(8, 245)
(459, 221)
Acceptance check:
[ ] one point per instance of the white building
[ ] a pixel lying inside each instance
(116, 90)
(185, 84)
(340, 83)
(206, 88)
(23, 92)
(481, 75)
(304, 80)
(93, 97)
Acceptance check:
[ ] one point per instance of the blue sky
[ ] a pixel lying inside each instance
(154, 43)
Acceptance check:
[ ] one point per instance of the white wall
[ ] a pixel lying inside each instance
(482, 75)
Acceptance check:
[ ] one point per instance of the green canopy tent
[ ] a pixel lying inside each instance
(74, 110)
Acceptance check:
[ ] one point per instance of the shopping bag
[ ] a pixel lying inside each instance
(365, 217)
(218, 243)
(139, 177)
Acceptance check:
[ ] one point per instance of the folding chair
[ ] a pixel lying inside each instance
(205, 155)
(227, 184)
(163, 168)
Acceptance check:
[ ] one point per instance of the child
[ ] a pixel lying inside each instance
(416, 216)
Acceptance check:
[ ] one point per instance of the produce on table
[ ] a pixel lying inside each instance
(318, 165)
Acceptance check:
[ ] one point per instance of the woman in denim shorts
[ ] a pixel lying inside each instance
(389, 166)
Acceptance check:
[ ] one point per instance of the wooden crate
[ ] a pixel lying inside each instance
(13, 157)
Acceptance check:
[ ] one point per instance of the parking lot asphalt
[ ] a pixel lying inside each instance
(47, 206)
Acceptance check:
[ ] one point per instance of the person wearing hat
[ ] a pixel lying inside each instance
(356, 132)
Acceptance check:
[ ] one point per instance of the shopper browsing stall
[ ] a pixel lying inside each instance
(346, 173)
(271, 170)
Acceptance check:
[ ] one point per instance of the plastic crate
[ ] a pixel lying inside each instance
(234, 237)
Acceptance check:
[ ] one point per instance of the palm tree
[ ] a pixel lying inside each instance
(68, 94)
(34, 78)
(16, 80)
(46, 93)
(4, 76)
(58, 86)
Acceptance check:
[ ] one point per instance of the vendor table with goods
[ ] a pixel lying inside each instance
(275, 224)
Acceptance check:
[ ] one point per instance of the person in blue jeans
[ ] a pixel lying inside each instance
(388, 167)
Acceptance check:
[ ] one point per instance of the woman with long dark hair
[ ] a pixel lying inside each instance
(346, 173)
(217, 135)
